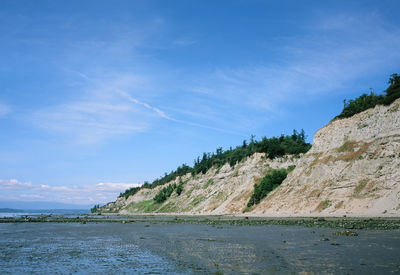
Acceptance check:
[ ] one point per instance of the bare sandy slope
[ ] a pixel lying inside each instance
(353, 168)
(220, 191)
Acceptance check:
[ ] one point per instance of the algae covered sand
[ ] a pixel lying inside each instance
(381, 223)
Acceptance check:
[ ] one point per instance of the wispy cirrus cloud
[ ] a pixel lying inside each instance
(102, 192)
(106, 108)
(90, 121)
(335, 51)
(103, 101)
(146, 105)
(102, 110)
(184, 41)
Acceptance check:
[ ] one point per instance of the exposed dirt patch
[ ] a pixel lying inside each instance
(360, 187)
(339, 205)
(347, 146)
(316, 193)
(354, 155)
(323, 205)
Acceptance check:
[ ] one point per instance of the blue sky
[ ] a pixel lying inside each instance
(97, 96)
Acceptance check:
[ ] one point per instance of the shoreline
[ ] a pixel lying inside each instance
(257, 215)
(378, 223)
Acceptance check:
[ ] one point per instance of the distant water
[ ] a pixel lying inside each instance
(31, 212)
(6, 215)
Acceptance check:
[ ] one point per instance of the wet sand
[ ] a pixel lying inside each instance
(155, 247)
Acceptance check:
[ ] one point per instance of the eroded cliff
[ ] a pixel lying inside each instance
(353, 168)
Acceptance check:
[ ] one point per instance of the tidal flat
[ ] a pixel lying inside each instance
(188, 245)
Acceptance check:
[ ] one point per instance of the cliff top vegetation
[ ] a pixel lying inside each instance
(273, 147)
(367, 101)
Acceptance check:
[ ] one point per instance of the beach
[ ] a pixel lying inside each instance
(206, 245)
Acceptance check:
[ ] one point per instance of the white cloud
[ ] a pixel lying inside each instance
(83, 194)
(31, 196)
(14, 184)
(111, 186)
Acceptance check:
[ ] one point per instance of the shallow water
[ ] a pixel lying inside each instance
(76, 248)
(160, 248)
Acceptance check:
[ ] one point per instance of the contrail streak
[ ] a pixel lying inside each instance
(160, 112)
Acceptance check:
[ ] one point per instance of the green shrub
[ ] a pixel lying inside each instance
(210, 181)
(160, 197)
(179, 189)
(271, 181)
(165, 193)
